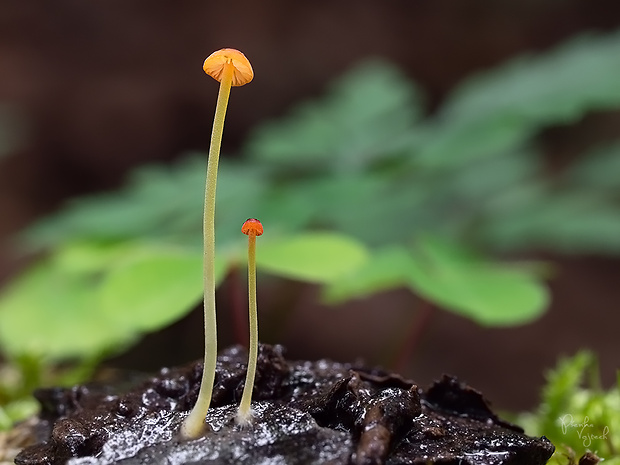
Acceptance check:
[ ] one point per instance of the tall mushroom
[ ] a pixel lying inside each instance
(231, 68)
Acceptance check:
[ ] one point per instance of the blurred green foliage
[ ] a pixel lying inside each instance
(359, 190)
(452, 277)
(576, 413)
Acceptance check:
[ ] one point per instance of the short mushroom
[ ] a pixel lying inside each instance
(252, 228)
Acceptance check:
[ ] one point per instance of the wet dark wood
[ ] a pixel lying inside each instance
(306, 413)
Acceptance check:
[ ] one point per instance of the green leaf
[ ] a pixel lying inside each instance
(500, 109)
(490, 294)
(89, 257)
(558, 86)
(318, 257)
(385, 269)
(160, 203)
(151, 290)
(451, 277)
(54, 313)
(89, 299)
(449, 144)
(367, 116)
(16, 411)
(354, 205)
(569, 221)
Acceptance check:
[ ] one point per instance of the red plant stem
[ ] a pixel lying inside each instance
(416, 330)
(282, 309)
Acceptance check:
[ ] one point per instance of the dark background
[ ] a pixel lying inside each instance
(104, 86)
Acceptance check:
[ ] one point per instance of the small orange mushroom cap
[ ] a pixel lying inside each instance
(214, 65)
(252, 226)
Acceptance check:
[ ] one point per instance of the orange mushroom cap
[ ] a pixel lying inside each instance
(214, 65)
(252, 226)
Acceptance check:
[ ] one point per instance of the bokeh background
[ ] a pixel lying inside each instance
(94, 89)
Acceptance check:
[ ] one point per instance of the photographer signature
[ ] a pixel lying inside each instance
(587, 438)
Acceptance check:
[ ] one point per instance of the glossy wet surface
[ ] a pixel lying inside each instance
(319, 412)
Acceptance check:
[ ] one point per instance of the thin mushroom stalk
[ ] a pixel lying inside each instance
(252, 228)
(231, 68)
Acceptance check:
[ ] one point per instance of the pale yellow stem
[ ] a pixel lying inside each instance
(194, 424)
(244, 415)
